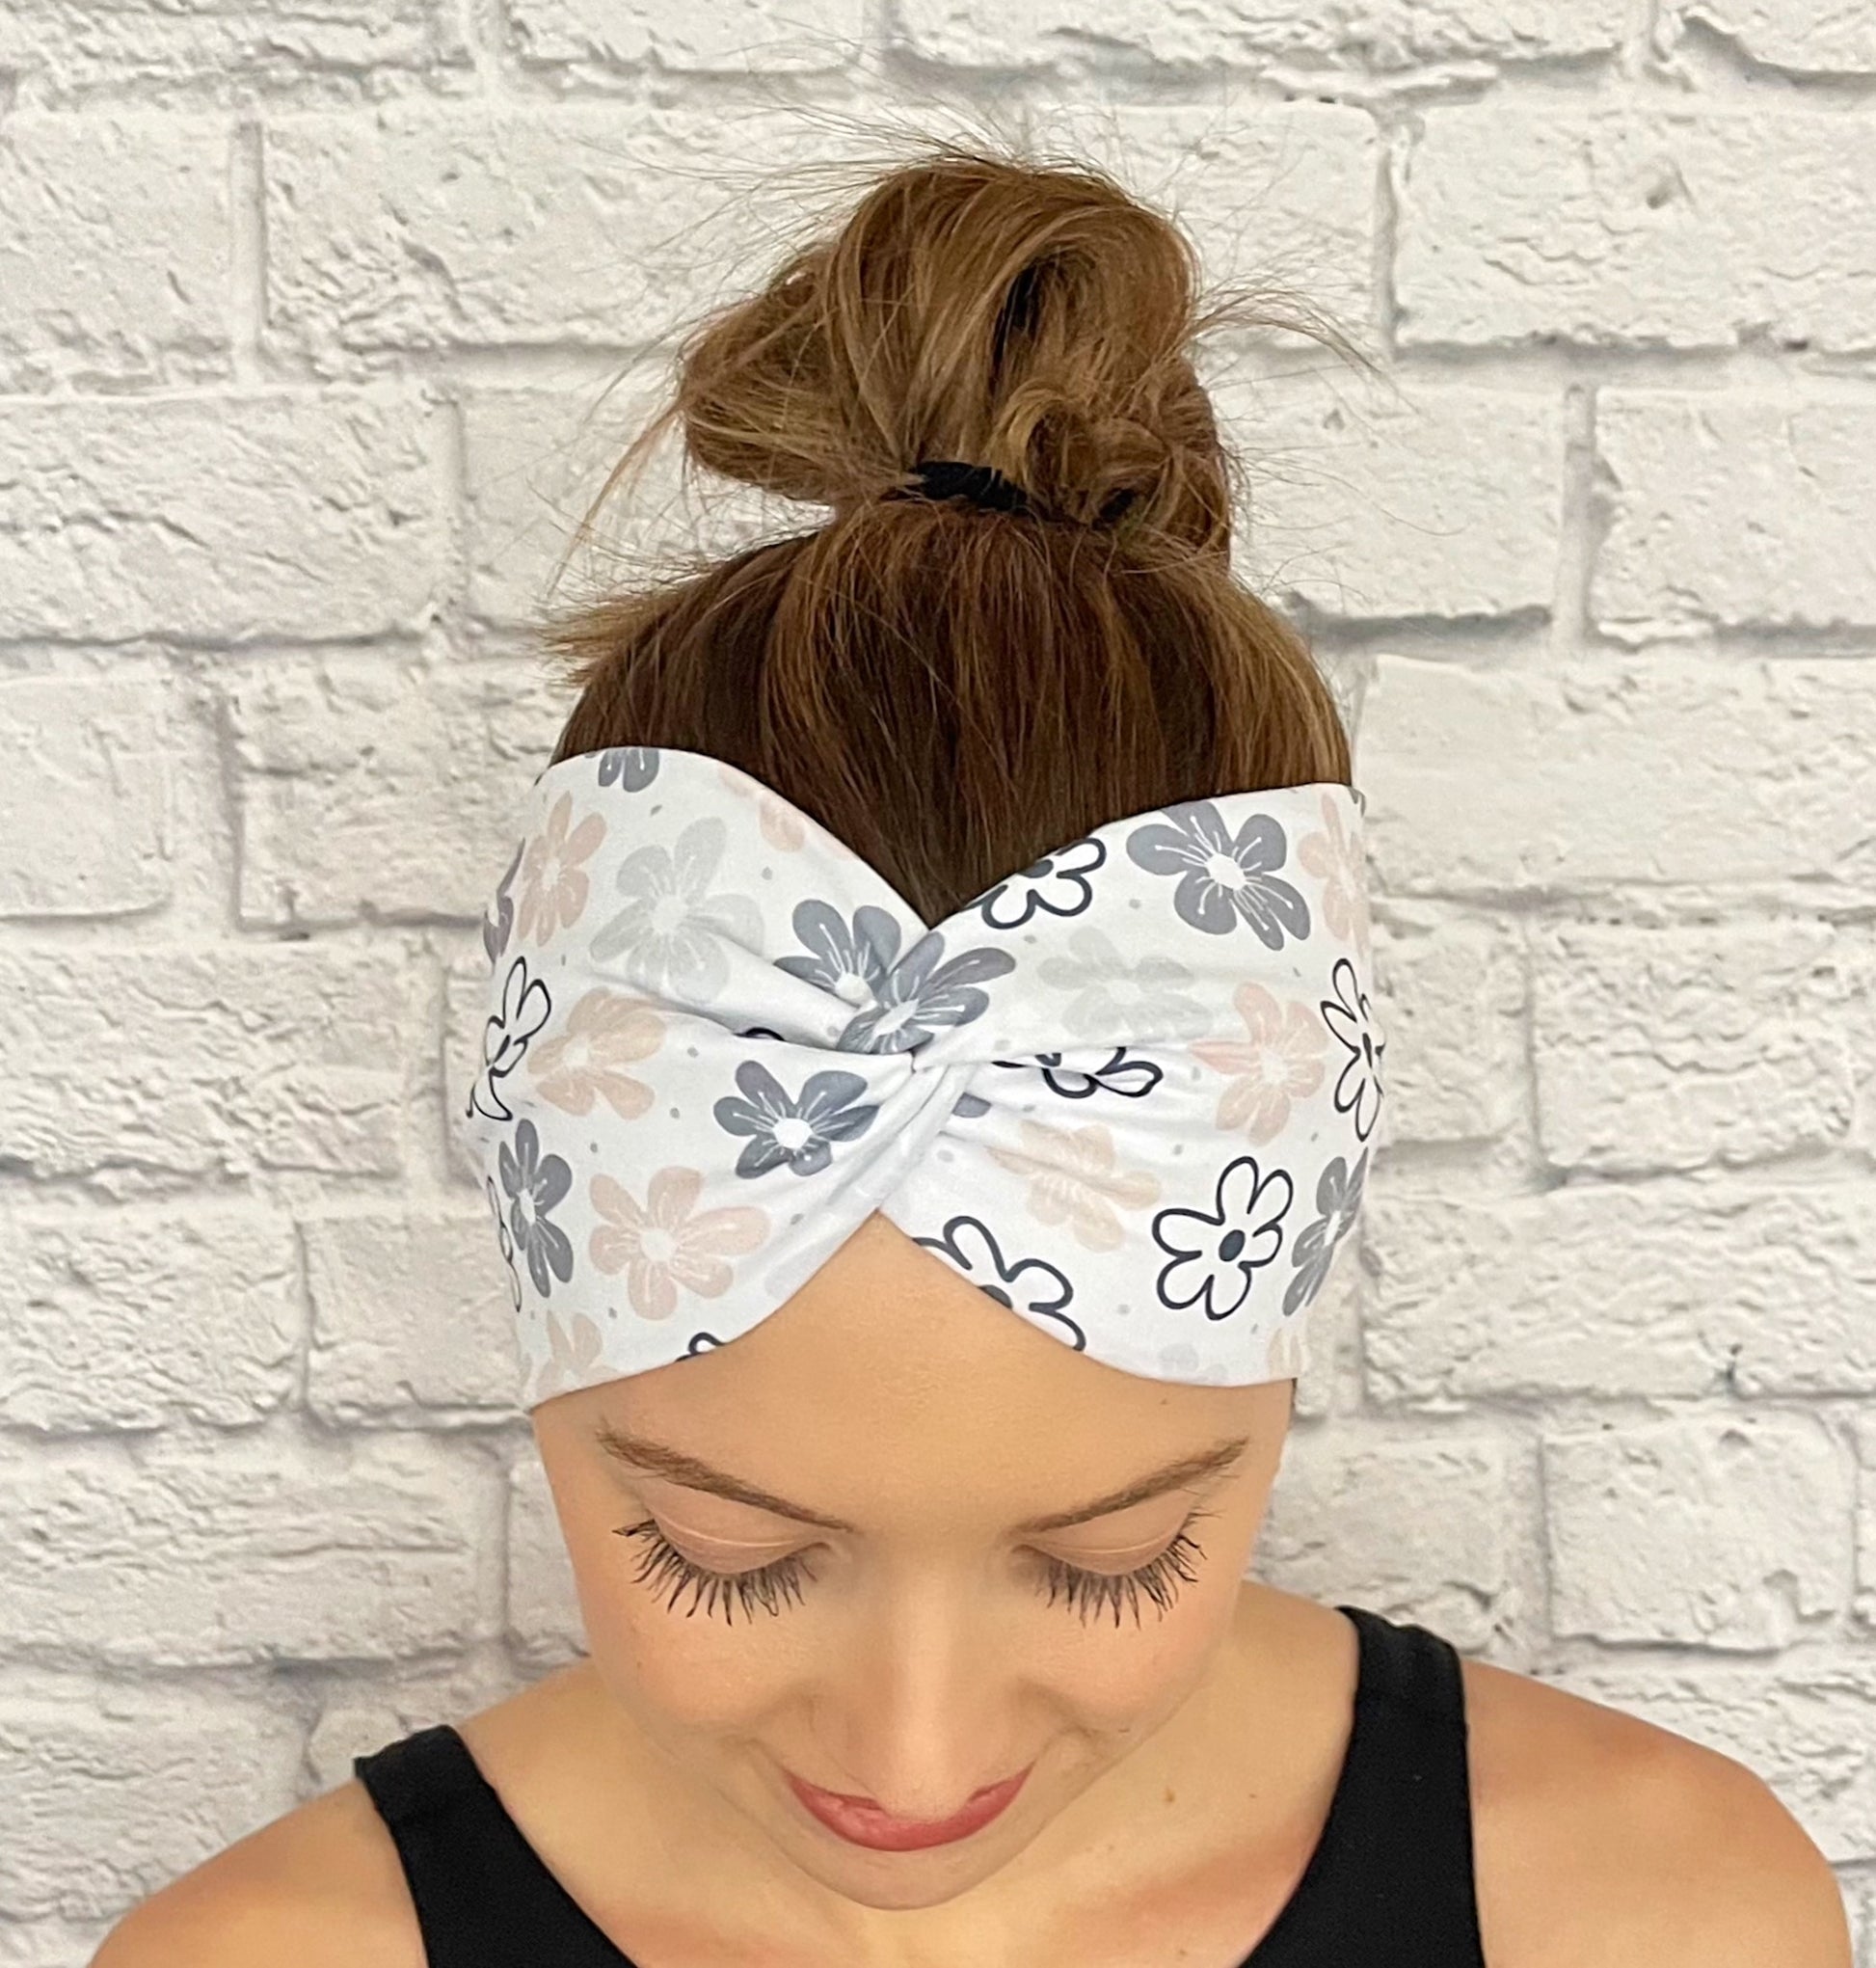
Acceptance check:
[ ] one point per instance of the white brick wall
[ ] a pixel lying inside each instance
(305, 315)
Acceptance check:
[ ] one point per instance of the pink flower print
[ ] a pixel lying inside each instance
(1334, 857)
(781, 824)
(1280, 1061)
(587, 1058)
(553, 883)
(1073, 1180)
(576, 1352)
(1286, 1355)
(663, 1246)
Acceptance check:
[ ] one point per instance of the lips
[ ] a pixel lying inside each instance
(861, 1821)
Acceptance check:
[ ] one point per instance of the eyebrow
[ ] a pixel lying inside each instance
(658, 1458)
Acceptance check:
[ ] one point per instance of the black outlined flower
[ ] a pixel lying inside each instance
(1029, 1284)
(1214, 1254)
(1357, 1088)
(1056, 886)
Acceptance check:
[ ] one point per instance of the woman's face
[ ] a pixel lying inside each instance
(934, 1634)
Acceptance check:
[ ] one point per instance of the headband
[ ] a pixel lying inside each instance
(1127, 1092)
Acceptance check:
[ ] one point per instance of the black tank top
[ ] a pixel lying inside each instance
(1389, 1884)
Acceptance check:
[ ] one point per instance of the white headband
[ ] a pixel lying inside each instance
(1129, 1091)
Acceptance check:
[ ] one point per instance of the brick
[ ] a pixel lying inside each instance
(758, 37)
(450, 1344)
(1306, 171)
(534, 461)
(365, 789)
(84, 799)
(1376, 505)
(1805, 1728)
(357, 1717)
(217, 518)
(1670, 1047)
(1620, 769)
(73, 47)
(108, 1792)
(51, 1943)
(545, 1622)
(1332, 1359)
(1615, 1289)
(1591, 222)
(121, 1321)
(422, 230)
(1417, 1529)
(1710, 1531)
(1824, 37)
(225, 1061)
(464, 1007)
(415, 228)
(1453, 994)
(115, 264)
(1387, 33)
(1733, 511)
(258, 1548)
(1866, 1599)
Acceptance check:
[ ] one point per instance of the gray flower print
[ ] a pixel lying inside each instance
(1359, 1088)
(919, 994)
(1119, 996)
(1215, 1254)
(1338, 1196)
(852, 960)
(534, 1183)
(631, 767)
(795, 1134)
(506, 1242)
(496, 927)
(1029, 1284)
(1057, 884)
(673, 929)
(525, 1003)
(1224, 878)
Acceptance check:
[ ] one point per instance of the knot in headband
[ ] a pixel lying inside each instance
(1128, 1091)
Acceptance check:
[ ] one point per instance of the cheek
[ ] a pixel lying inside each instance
(1126, 1679)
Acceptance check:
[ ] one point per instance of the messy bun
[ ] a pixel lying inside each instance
(953, 691)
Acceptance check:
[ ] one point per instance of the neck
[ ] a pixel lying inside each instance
(1237, 1777)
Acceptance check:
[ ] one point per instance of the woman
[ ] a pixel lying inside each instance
(912, 1314)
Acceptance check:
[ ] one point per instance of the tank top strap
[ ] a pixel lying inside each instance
(1391, 1879)
(484, 1897)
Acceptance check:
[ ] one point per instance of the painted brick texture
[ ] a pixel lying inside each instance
(308, 314)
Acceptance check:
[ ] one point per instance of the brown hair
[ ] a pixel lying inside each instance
(953, 691)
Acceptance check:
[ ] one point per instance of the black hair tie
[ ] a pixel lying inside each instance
(953, 478)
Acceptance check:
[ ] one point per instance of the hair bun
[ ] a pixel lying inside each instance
(1033, 319)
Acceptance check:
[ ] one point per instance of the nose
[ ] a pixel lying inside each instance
(919, 1719)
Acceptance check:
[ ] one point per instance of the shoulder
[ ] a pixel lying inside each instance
(320, 1887)
(1601, 1840)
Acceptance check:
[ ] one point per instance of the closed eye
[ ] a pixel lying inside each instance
(781, 1581)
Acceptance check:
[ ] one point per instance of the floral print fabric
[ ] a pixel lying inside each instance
(1129, 1091)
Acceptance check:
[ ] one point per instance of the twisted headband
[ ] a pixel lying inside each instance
(1128, 1091)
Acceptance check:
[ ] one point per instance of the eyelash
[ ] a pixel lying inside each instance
(771, 1585)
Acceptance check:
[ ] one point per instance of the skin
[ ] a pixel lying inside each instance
(1183, 1765)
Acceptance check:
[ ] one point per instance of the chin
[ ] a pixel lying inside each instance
(903, 1882)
